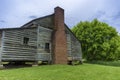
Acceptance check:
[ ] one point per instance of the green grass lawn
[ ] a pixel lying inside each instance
(86, 71)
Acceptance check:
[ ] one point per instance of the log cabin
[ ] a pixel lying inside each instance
(43, 39)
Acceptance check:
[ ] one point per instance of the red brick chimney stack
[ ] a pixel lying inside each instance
(60, 40)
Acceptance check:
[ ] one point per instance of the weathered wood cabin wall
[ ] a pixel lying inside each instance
(0, 45)
(45, 27)
(44, 44)
(39, 47)
(14, 46)
(73, 46)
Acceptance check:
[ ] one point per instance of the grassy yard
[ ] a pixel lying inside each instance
(87, 71)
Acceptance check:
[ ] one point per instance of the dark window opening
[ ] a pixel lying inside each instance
(47, 47)
(25, 40)
(39, 45)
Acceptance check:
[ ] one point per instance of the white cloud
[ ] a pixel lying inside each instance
(16, 12)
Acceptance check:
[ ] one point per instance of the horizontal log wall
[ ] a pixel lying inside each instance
(74, 46)
(47, 22)
(69, 45)
(0, 45)
(14, 48)
(44, 36)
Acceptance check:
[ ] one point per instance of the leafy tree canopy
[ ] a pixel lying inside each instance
(99, 41)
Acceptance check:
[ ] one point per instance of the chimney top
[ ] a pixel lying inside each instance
(59, 18)
(58, 8)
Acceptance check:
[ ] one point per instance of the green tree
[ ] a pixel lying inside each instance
(99, 41)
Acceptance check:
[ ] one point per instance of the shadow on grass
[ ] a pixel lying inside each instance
(105, 63)
(15, 66)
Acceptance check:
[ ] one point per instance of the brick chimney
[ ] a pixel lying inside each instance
(59, 40)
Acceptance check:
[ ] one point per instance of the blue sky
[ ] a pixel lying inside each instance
(15, 13)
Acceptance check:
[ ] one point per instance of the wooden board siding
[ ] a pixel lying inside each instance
(47, 22)
(0, 45)
(73, 46)
(44, 36)
(13, 47)
(69, 45)
(76, 48)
